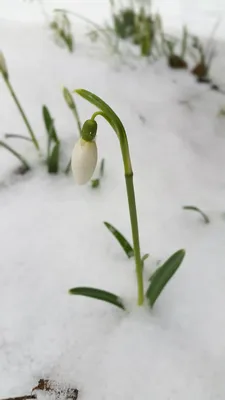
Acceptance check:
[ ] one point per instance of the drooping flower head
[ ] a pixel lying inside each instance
(85, 154)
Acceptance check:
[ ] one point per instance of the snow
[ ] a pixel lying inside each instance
(53, 238)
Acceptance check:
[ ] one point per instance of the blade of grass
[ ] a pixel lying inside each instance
(193, 208)
(145, 256)
(184, 42)
(49, 124)
(162, 276)
(95, 183)
(17, 155)
(98, 294)
(23, 115)
(67, 170)
(72, 105)
(53, 160)
(102, 168)
(128, 249)
(15, 136)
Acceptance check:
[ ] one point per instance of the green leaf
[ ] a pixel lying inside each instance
(193, 208)
(49, 124)
(53, 160)
(26, 166)
(184, 42)
(162, 276)
(102, 168)
(98, 294)
(71, 103)
(15, 136)
(95, 183)
(145, 256)
(68, 97)
(155, 273)
(121, 239)
(68, 168)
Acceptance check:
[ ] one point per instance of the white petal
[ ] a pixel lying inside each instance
(3, 66)
(84, 160)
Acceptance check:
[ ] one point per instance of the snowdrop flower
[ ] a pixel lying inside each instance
(85, 154)
(3, 67)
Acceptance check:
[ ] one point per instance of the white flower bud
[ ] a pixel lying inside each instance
(3, 67)
(84, 160)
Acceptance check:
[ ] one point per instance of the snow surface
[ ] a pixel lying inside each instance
(52, 236)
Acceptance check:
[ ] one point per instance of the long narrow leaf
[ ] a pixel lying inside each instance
(102, 168)
(53, 160)
(95, 183)
(121, 239)
(15, 136)
(184, 42)
(193, 208)
(17, 155)
(49, 124)
(98, 294)
(145, 256)
(72, 105)
(162, 276)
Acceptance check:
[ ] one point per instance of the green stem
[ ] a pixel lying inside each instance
(67, 170)
(23, 161)
(135, 235)
(121, 133)
(34, 140)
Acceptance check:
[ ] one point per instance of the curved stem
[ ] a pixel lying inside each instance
(34, 140)
(9, 148)
(121, 134)
(15, 136)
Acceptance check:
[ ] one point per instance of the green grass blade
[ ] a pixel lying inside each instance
(98, 294)
(53, 160)
(193, 208)
(162, 276)
(68, 98)
(72, 105)
(145, 256)
(102, 168)
(95, 183)
(184, 42)
(16, 136)
(49, 124)
(26, 166)
(121, 239)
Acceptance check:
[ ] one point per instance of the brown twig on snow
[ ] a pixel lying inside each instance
(31, 396)
(48, 386)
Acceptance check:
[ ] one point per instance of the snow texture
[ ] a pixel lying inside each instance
(53, 238)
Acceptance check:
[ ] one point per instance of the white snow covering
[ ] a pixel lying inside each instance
(53, 238)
